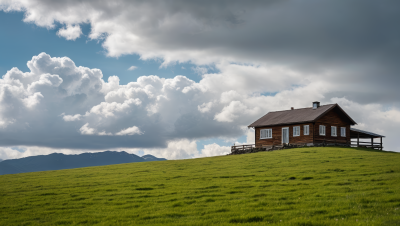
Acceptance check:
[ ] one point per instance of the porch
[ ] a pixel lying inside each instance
(357, 134)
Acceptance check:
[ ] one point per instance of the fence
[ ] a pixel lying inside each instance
(242, 147)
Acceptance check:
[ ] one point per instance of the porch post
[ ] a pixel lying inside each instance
(358, 139)
(381, 144)
(372, 142)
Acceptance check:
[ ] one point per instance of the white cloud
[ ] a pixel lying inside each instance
(131, 68)
(129, 131)
(205, 107)
(250, 136)
(32, 100)
(70, 32)
(86, 130)
(215, 150)
(69, 118)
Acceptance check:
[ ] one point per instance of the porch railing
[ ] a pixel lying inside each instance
(366, 144)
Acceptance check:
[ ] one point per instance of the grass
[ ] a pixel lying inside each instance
(305, 186)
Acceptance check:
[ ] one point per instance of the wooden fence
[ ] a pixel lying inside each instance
(242, 147)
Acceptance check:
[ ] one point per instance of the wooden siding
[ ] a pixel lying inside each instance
(332, 118)
(277, 135)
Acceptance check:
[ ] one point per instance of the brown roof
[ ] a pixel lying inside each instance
(296, 116)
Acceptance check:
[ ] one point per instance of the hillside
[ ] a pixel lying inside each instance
(57, 161)
(304, 186)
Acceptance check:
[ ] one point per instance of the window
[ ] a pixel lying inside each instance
(343, 131)
(321, 130)
(265, 133)
(333, 131)
(296, 131)
(306, 130)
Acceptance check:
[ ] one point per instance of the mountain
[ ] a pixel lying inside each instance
(57, 161)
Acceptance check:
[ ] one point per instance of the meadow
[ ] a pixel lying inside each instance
(303, 186)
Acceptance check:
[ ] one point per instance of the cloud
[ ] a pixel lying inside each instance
(200, 70)
(354, 53)
(131, 68)
(214, 150)
(129, 131)
(86, 130)
(205, 107)
(60, 105)
(70, 32)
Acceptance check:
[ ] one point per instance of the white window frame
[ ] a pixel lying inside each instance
(322, 131)
(343, 131)
(296, 131)
(306, 129)
(333, 131)
(267, 134)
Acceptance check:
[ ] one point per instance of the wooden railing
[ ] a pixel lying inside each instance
(366, 144)
(242, 147)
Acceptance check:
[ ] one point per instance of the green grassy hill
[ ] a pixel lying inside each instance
(304, 186)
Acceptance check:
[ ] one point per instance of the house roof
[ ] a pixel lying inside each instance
(300, 115)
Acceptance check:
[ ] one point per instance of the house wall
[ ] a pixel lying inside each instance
(277, 135)
(332, 118)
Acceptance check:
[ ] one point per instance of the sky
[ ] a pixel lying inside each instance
(184, 79)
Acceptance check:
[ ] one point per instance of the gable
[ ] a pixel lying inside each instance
(336, 114)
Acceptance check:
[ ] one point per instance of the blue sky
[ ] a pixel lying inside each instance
(224, 65)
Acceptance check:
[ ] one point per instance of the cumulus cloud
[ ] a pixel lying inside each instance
(59, 104)
(86, 130)
(131, 68)
(70, 32)
(215, 149)
(205, 107)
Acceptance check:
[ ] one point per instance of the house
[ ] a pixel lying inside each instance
(328, 124)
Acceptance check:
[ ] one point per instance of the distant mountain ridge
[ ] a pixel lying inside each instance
(57, 161)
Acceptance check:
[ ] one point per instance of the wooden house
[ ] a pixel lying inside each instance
(328, 124)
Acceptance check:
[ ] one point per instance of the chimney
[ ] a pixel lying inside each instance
(292, 108)
(315, 104)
